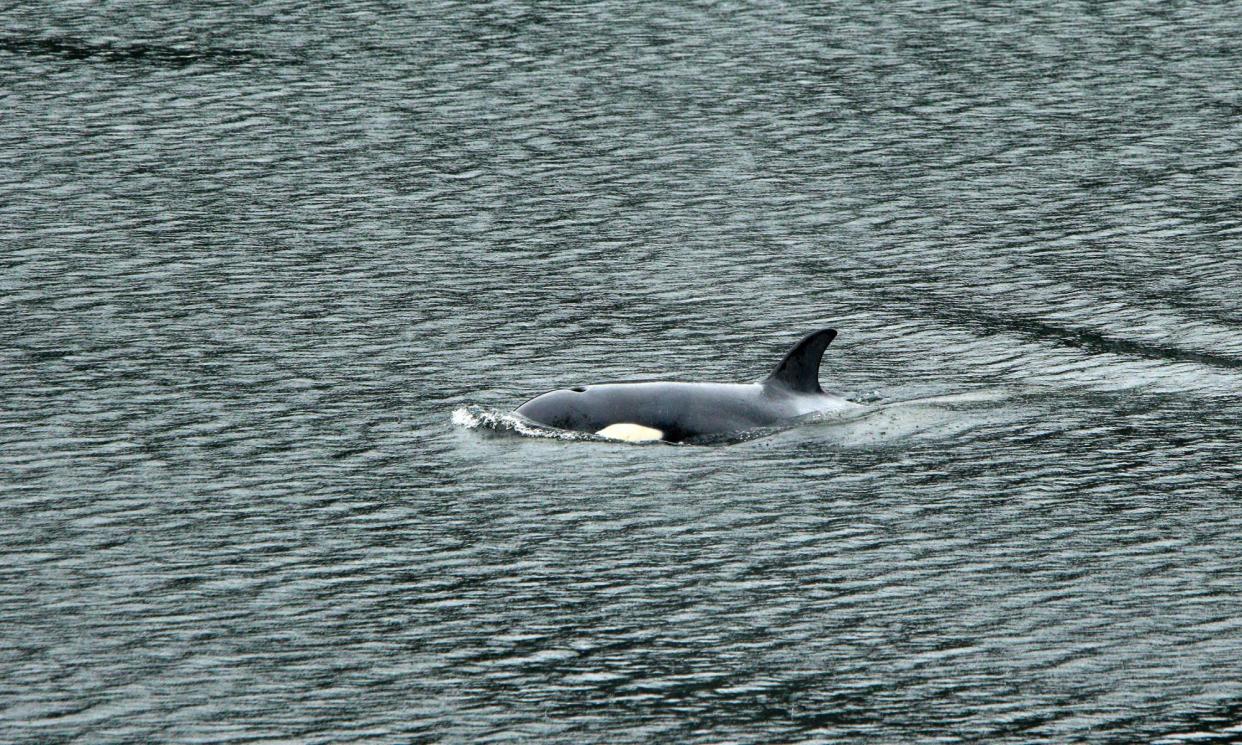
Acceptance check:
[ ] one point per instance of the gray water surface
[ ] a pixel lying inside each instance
(270, 278)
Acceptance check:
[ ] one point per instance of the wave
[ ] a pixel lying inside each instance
(165, 55)
(488, 421)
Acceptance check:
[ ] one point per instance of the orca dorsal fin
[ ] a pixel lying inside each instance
(799, 370)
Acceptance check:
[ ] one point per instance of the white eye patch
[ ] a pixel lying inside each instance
(630, 432)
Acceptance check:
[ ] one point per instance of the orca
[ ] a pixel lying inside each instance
(680, 412)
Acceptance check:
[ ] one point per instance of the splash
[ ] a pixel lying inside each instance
(489, 421)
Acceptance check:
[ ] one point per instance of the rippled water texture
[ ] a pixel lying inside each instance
(272, 277)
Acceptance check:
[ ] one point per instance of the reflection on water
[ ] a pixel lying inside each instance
(275, 278)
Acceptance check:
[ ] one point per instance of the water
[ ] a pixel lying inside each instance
(266, 274)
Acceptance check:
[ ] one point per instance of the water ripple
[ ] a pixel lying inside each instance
(272, 278)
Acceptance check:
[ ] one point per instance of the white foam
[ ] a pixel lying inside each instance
(480, 418)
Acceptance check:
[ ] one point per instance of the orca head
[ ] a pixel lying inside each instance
(567, 408)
